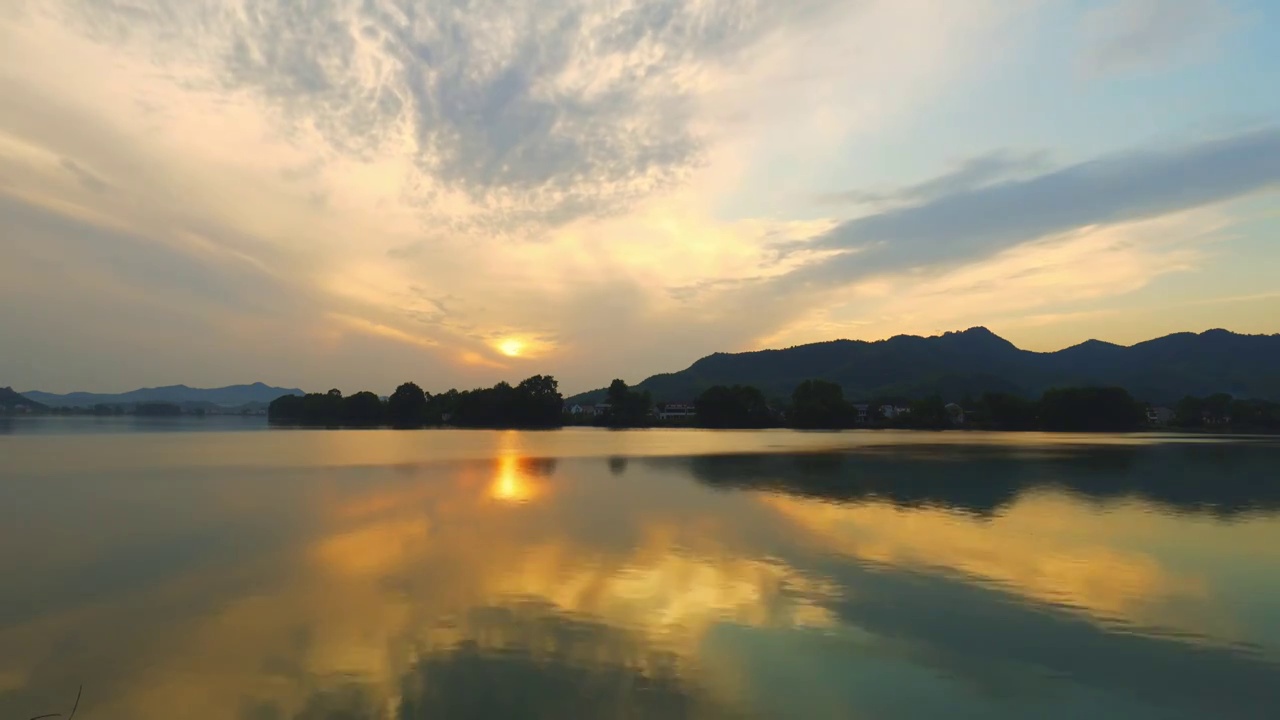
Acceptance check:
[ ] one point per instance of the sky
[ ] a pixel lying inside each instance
(358, 193)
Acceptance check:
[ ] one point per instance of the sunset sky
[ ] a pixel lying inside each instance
(356, 193)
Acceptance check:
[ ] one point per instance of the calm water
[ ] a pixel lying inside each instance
(262, 575)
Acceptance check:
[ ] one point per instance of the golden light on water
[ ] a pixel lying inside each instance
(511, 483)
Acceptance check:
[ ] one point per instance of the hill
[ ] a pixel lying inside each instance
(975, 361)
(11, 401)
(224, 397)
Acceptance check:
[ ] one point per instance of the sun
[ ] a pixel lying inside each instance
(511, 347)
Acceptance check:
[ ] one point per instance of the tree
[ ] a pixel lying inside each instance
(364, 409)
(1221, 410)
(535, 402)
(1218, 406)
(1005, 411)
(1189, 412)
(820, 404)
(309, 409)
(157, 409)
(407, 406)
(929, 413)
(1100, 409)
(617, 393)
(626, 407)
(739, 406)
(285, 409)
(538, 402)
(323, 409)
(443, 406)
(1255, 414)
(484, 407)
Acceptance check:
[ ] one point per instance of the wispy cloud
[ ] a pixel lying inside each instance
(1126, 35)
(972, 174)
(535, 112)
(974, 223)
(84, 176)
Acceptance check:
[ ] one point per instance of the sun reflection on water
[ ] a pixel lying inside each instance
(513, 481)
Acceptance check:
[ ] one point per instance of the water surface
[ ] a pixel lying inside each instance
(305, 574)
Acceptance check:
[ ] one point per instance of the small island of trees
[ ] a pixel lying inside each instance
(534, 403)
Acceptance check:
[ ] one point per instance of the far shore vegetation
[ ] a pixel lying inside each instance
(814, 404)
(536, 403)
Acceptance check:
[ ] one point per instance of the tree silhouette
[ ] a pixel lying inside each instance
(407, 406)
(1004, 411)
(739, 406)
(1110, 409)
(363, 409)
(627, 407)
(820, 404)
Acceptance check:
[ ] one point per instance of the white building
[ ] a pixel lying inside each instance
(676, 411)
(889, 412)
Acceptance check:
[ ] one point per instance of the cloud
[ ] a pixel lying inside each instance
(971, 174)
(972, 224)
(1033, 284)
(84, 176)
(538, 113)
(189, 271)
(1129, 35)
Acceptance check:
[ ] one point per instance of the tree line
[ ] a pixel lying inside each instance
(1113, 409)
(818, 404)
(821, 405)
(1223, 411)
(535, 402)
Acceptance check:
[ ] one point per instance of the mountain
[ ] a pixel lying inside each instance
(10, 400)
(975, 361)
(230, 396)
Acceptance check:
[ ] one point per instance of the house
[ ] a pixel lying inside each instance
(863, 415)
(956, 413)
(1160, 415)
(676, 411)
(889, 412)
(1209, 417)
(583, 409)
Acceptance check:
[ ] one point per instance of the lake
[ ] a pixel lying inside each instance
(252, 574)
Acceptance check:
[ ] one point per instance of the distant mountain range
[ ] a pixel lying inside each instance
(188, 397)
(976, 361)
